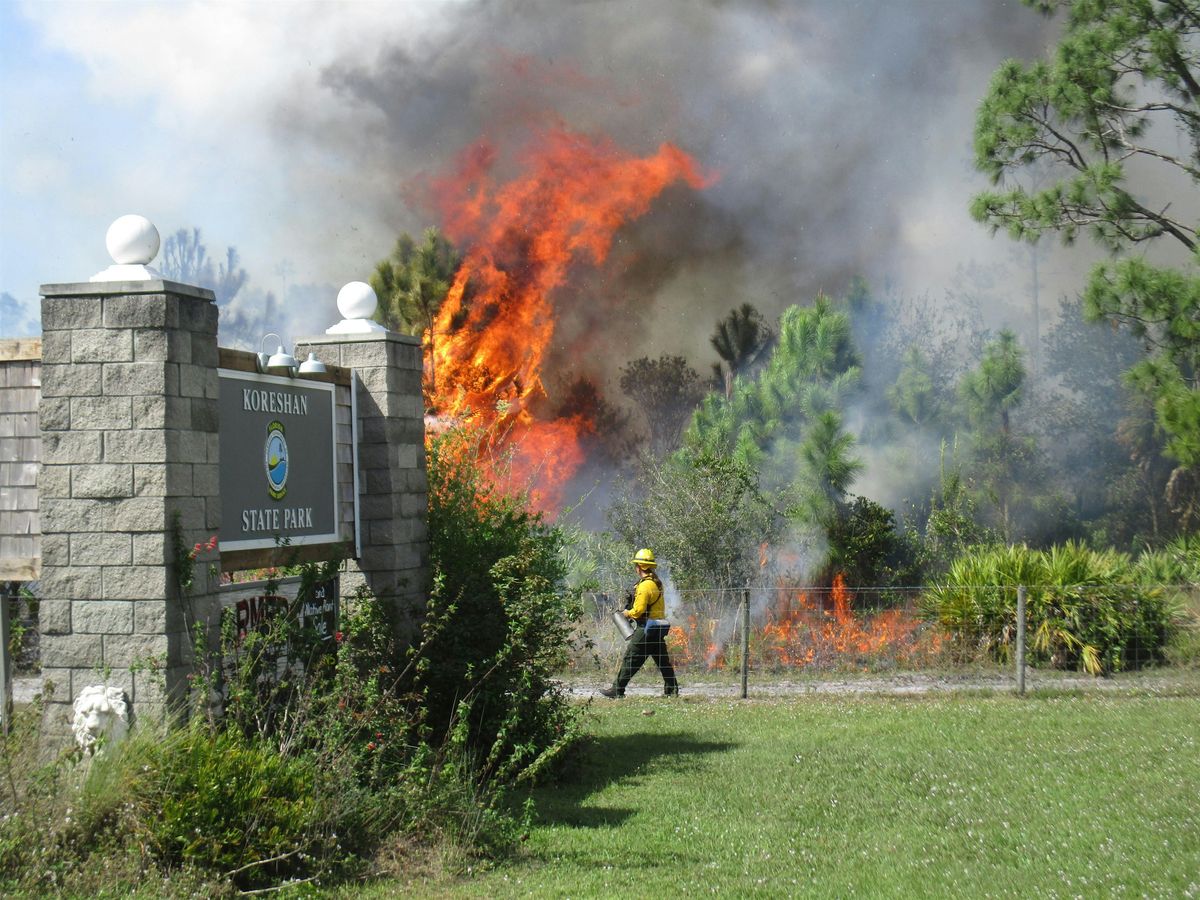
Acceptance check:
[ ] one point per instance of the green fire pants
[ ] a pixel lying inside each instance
(647, 643)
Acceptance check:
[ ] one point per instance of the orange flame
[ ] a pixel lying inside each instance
(803, 632)
(817, 628)
(485, 354)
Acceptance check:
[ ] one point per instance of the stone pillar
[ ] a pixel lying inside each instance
(130, 447)
(393, 534)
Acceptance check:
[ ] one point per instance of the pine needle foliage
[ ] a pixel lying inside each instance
(786, 422)
(413, 281)
(1109, 123)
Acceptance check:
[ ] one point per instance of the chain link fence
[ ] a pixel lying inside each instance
(785, 631)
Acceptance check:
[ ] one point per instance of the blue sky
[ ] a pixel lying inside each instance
(165, 110)
(300, 133)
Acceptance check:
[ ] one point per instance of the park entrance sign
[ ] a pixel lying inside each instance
(278, 452)
(152, 439)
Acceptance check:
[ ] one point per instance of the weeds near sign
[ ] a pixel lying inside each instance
(311, 757)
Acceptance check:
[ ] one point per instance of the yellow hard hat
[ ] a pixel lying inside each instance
(644, 557)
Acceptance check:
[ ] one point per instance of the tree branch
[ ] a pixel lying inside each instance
(1136, 150)
(1172, 57)
(262, 862)
(1162, 106)
(1079, 161)
(1184, 11)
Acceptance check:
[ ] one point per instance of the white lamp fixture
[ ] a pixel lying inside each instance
(280, 359)
(312, 366)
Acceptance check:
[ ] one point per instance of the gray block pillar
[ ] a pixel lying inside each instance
(393, 535)
(129, 436)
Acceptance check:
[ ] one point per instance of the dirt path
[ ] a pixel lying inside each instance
(1162, 681)
(648, 684)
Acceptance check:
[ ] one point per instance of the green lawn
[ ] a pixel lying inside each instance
(957, 795)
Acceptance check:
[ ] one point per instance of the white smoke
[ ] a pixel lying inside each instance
(840, 132)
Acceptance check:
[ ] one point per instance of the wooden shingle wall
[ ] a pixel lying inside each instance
(20, 454)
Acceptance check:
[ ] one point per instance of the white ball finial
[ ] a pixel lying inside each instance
(357, 300)
(132, 241)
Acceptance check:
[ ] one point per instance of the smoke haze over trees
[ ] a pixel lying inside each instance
(838, 133)
(837, 138)
(807, 195)
(961, 412)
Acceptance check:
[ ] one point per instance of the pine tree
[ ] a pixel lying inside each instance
(413, 281)
(1113, 122)
(912, 396)
(989, 395)
(741, 340)
(786, 423)
(665, 392)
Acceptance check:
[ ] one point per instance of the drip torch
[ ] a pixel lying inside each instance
(623, 623)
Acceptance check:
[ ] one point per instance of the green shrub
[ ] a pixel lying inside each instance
(320, 755)
(866, 546)
(1085, 609)
(1177, 563)
(1183, 647)
(272, 792)
(500, 620)
(213, 800)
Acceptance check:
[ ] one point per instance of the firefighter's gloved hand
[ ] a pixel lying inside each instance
(629, 600)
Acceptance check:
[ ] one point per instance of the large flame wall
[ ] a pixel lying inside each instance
(522, 235)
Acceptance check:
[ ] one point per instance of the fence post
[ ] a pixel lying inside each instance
(745, 640)
(1021, 640)
(6, 697)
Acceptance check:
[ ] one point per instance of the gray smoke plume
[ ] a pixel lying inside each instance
(834, 128)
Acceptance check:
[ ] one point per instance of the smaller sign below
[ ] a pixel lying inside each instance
(253, 612)
(252, 607)
(320, 611)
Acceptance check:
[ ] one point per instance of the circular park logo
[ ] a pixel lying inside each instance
(275, 460)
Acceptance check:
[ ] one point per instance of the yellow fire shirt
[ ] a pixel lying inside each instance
(647, 601)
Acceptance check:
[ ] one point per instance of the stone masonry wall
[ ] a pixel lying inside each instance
(394, 537)
(130, 446)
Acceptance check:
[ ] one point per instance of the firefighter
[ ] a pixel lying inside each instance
(647, 611)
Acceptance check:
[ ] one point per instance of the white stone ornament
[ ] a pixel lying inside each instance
(356, 302)
(132, 242)
(100, 712)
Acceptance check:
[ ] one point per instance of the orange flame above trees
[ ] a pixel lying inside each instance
(521, 238)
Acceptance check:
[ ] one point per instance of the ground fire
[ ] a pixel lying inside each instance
(808, 628)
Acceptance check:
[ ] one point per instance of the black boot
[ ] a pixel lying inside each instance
(671, 690)
(611, 693)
